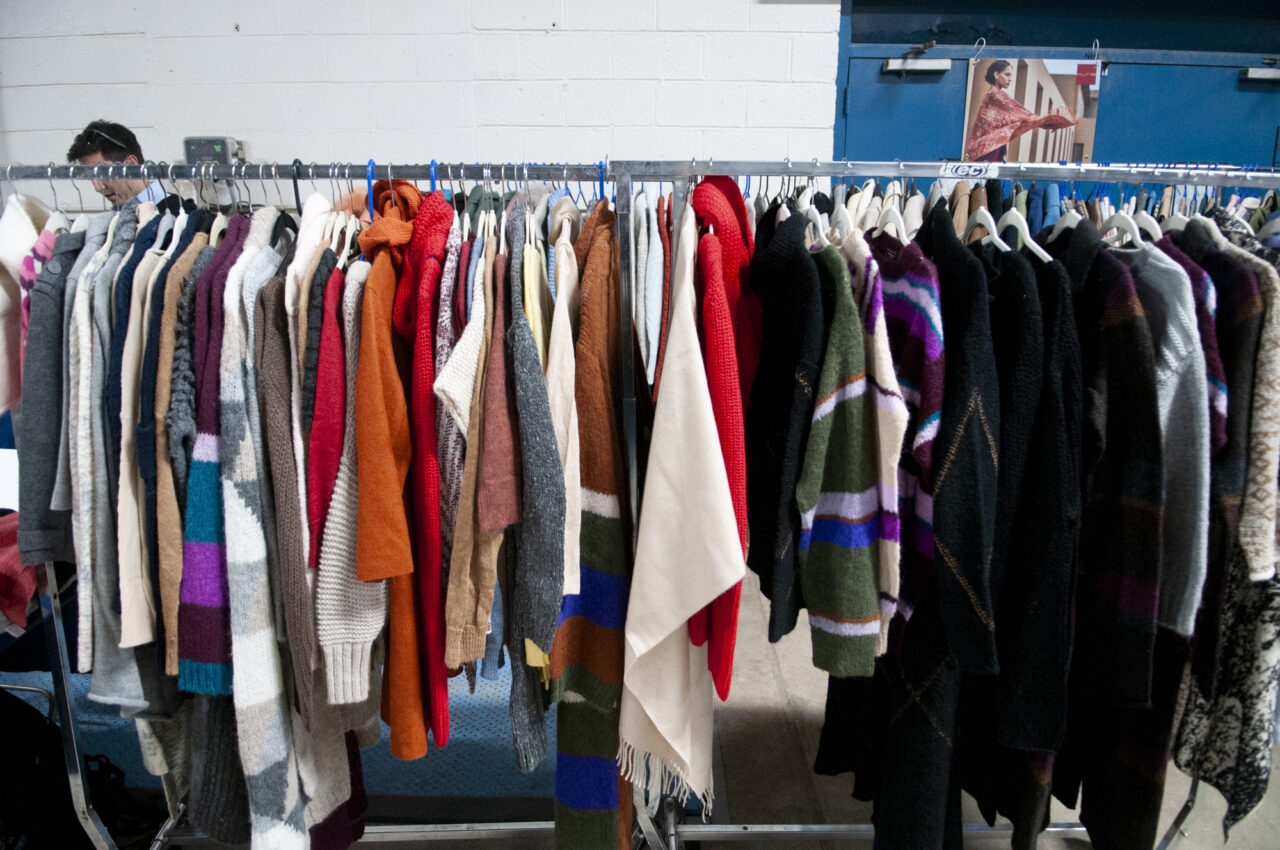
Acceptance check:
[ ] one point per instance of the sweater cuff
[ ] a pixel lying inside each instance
(463, 644)
(346, 667)
(844, 655)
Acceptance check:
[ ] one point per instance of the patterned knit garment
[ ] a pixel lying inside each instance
(838, 497)
(262, 710)
(891, 420)
(586, 658)
(204, 617)
(913, 316)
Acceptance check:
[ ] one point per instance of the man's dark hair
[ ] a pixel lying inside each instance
(996, 67)
(114, 141)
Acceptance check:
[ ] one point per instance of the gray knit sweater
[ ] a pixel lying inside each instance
(538, 566)
(45, 534)
(1165, 292)
(181, 418)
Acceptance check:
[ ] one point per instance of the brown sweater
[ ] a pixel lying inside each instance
(168, 517)
(274, 389)
(498, 498)
(473, 565)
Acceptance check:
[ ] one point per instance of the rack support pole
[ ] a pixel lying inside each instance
(60, 666)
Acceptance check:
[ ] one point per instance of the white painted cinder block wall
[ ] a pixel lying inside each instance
(411, 80)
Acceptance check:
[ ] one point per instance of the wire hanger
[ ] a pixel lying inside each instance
(56, 206)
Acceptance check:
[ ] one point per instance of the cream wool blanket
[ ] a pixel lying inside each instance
(688, 553)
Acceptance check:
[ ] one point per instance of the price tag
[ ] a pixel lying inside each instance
(970, 170)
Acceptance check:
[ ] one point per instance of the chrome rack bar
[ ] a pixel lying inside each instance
(577, 172)
(1180, 174)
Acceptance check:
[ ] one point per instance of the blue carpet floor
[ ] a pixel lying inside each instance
(478, 761)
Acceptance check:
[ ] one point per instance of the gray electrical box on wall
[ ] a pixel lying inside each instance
(222, 150)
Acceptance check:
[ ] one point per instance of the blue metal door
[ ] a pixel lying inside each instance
(913, 117)
(1185, 113)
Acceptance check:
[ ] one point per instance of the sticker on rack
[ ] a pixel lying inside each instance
(970, 170)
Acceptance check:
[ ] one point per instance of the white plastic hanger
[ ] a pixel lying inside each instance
(1019, 223)
(1126, 226)
(890, 217)
(1067, 221)
(982, 217)
(1147, 224)
(815, 223)
(841, 221)
(1174, 223)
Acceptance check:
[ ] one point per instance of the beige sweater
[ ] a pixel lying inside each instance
(137, 608)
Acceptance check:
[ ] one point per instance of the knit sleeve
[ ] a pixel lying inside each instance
(349, 613)
(181, 418)
(1184, 557)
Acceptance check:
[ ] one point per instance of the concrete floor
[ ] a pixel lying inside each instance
(768, 734)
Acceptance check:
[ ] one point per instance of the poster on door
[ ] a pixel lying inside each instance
(1030, 110)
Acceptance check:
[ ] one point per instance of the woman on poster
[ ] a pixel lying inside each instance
(1001, 119)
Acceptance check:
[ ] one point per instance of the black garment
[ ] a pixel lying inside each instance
(44, 534)
(1122, 475)
(995, 197)
(964, 487)
(1017, 336)
(315, 320)
(777, 419)
(219, 801)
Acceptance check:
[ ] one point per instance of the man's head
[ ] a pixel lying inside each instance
(104, 142)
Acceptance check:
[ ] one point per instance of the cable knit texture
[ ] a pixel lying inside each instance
(384, 444)
(350, 613)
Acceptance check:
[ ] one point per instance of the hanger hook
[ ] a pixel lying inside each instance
(979, 46)
(52, 188)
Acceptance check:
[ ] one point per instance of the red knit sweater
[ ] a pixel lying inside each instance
(717, 624)
(414, 319)
(717, 202)
(328, 420)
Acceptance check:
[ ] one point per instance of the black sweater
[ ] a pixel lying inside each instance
(964, 496)
(776, 425)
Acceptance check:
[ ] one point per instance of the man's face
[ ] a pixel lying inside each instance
(115, 191)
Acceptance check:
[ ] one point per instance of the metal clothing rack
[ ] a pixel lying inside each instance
(670, 832)
(681, 173)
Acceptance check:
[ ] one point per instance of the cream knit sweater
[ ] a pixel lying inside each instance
(561, 377)
(456, 383)
(350, 613)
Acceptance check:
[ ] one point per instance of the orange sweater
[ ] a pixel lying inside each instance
(384, 447)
